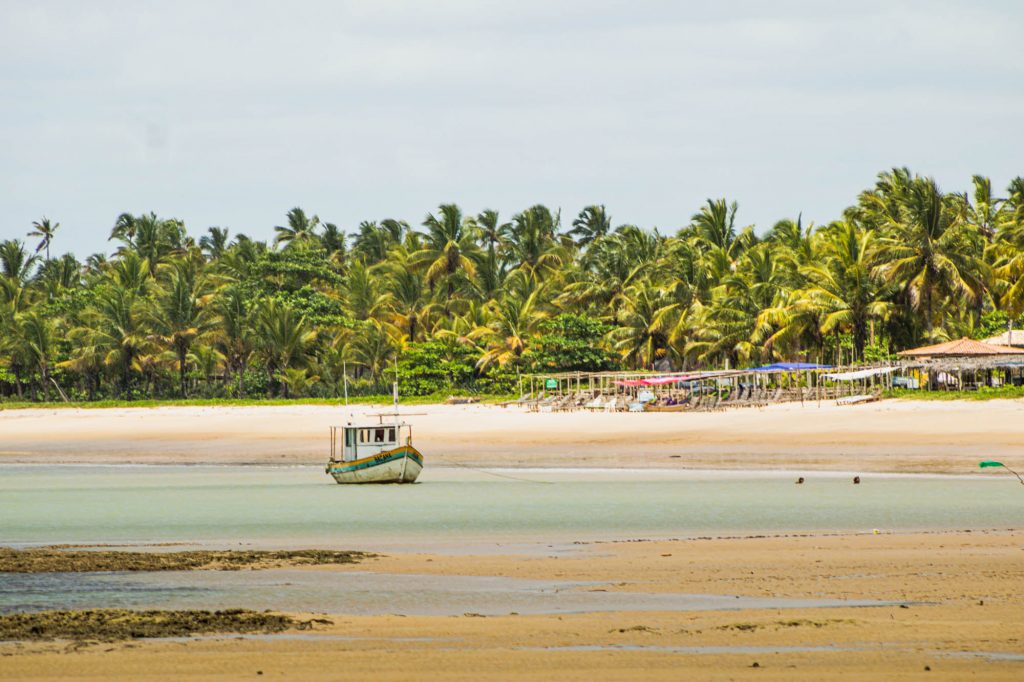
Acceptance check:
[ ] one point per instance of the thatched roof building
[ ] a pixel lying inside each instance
(1014, 339)
(961, 348)
(976, 362)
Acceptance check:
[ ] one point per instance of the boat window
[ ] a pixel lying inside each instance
(364, 435)
(350, 437)
(378, 436)
(391, 435)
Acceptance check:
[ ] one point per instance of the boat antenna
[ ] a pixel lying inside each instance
(395, 390)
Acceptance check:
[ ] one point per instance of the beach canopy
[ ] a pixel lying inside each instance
(657, 381)
(789, 367)
(1007, 338)
(960, 348)
(858, 374)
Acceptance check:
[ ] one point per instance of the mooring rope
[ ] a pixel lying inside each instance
(489, 473)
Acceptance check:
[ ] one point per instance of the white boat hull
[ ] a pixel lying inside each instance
(401, 465)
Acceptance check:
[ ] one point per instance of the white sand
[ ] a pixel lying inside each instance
(888, 436)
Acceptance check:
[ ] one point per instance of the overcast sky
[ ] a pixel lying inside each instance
(231, 113)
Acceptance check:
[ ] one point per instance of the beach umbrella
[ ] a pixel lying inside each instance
(992, 463)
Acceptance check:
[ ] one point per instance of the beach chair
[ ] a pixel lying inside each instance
(616, 405)
(709, 403)
(545, 404)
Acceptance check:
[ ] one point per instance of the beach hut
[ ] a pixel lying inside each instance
(963, 362)
(1011, 338)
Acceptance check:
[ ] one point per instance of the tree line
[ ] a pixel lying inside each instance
(468, 302)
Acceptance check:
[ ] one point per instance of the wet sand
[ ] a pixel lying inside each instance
(965, 619)
(890, 436)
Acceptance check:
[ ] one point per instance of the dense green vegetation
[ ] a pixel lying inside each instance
(465, 303)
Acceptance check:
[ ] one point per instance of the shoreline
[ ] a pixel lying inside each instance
(891, 436)
(587, 473)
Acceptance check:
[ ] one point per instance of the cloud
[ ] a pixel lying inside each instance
(230, 114)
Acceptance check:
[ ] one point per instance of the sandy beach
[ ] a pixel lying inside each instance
(964, 617)
(951, 601)
(890, 436)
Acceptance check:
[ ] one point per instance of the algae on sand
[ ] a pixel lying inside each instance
(120, 624)
(56, 560)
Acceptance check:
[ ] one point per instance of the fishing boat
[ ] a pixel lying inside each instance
(374, 453)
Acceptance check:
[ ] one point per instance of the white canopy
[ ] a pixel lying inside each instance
(858, 374)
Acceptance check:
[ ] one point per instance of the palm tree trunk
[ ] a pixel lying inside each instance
(182, 352)
(240, 377)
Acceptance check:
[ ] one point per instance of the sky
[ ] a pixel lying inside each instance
(231, 113)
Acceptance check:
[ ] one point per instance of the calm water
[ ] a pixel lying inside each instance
(452, 510)
(460, 510)
(357, 593)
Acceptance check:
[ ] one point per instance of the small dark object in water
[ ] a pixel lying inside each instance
(927, 668)
(755, 664)
(856, 480)
(800, 481)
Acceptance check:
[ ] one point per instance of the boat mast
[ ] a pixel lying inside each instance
(398, 428)
(344, 375)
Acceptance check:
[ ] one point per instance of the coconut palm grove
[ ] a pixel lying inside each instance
(468, 302)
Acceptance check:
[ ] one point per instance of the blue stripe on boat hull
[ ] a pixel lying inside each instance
(378, 460)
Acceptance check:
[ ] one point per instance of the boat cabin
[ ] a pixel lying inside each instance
(351, 442)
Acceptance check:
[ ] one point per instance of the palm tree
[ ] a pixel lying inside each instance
(611, 265)
(285, 338)
(513, 321)
(333, 241)
(15, 262)
(641, 333)
(38, 340)
(494, 235)
(150, 237)
(299, 228)
(114, 328)
(233, 333)
(59, 275)
(715, 226)
(373, 242)
(178, 315)
(296, 381)
(930, 250)
(591, 224)
(450, 253)
(532, 245)
(373, 349)
(405, 295)
(845, 287)
(209, 362)
(215, 242)
(44, 229)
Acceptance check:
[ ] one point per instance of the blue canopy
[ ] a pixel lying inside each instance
(790, 367)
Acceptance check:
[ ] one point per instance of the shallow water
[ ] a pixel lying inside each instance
(356, 592)
(459, 510)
